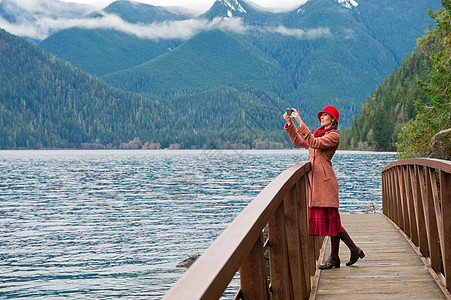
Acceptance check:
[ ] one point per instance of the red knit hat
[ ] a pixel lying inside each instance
(331, 111)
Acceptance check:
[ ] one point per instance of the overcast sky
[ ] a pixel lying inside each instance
(200, 5)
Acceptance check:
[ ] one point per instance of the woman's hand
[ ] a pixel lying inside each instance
(288, 118)
(295, 115)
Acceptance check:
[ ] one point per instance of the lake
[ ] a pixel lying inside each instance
(82, 224)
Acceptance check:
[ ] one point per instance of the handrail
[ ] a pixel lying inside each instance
(281, 208)
(416, 195)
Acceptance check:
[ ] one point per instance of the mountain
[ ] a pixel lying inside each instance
(398, 23)
(237, 54)
(334, 59)
(249, 12)
(324, 51)
(134, 12)
(47, 103)
(195, 66)
(227, 9)
(104, 51)
(101, 51)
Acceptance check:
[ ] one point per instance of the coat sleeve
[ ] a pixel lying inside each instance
(330, 140)
(294, 136)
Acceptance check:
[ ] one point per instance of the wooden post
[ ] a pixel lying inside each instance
(389, 208)
(253, 277)
(417, 191)
(408, 176)
(302, 198)
(431, 219)
(393, 213)
(385, 190)
(438, 211)
(294, 246)
(405, 209)
(397, 198)
(280, 274)
(445, 197)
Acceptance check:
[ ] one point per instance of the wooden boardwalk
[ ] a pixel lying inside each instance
(391, 269)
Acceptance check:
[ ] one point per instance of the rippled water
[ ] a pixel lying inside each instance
(114, 224)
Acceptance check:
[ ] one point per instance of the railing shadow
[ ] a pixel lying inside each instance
(275, 222)
(416, 196)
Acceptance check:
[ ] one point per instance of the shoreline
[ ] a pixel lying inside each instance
(191, 150)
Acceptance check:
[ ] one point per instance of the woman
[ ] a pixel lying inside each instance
(324, 218)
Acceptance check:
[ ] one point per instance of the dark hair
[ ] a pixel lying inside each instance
(334, 124)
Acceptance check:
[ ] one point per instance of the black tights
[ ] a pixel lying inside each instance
(335, 243)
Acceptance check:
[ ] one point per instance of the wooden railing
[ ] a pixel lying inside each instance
(281, 211)
(416, 195)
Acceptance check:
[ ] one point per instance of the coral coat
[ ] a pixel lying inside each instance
(323, 184)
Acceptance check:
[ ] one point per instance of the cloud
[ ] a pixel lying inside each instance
(37, 19)
(349, 33)
(42, 27)
(49, 8)
(321, 32)
(277, 6)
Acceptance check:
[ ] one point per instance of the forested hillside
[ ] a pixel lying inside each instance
(389, 108)
(209, 60)
(47, 103)
(109, 50)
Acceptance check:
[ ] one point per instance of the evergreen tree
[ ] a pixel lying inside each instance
(434, 115)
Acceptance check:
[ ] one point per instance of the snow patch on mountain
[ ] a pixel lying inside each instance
(300, 10)
(348, 3)
(233, 5)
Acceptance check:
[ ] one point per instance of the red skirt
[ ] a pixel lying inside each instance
(324, 221)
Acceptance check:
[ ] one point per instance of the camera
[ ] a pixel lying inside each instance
(289, 111)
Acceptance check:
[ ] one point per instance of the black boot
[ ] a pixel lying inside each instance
(330, 263)
(355, 255)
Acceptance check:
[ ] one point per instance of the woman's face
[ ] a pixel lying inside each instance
(326, 120)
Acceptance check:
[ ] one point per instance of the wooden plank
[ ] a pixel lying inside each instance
(391, 269)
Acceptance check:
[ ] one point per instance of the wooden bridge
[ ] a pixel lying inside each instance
(408, 247)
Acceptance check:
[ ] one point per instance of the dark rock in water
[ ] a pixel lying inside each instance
(188, 262)
(441, 145)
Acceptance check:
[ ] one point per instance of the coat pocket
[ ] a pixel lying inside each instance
(324, 172)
